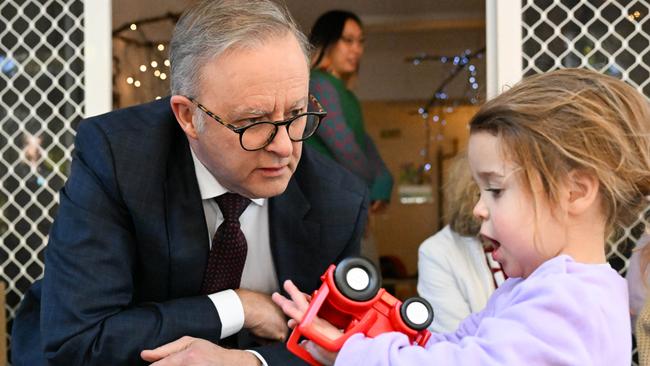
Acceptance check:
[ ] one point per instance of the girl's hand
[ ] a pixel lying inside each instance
(295, 308)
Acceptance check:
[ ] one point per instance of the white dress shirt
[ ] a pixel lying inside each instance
(259, 272)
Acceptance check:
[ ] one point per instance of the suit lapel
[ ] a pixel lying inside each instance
(186, 229)
(291, 233)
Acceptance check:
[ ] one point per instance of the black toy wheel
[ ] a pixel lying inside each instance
(357, 279)
(417, 313)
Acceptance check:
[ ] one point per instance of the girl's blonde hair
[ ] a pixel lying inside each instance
(551, 124)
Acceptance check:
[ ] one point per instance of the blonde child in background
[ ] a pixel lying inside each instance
(560, 159)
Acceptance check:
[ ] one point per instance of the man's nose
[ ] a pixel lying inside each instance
(281, 143)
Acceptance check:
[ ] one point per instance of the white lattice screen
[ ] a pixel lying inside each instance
(610, 36)
(607, 36)
(41, 102)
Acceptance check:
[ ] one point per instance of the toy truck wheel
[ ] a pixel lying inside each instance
(357, 279)
(417, 313)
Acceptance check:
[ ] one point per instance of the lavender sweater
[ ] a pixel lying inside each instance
(565, 313)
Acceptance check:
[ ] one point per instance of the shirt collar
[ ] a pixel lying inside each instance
(208, 184)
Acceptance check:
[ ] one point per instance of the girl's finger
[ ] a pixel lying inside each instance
(300, 298)
(289, 307)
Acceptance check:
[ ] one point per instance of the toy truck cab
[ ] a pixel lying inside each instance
(350, 298)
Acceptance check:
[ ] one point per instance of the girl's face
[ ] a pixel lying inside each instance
(345, 54)
(524, 235)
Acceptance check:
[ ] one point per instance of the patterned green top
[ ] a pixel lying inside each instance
(342, 135)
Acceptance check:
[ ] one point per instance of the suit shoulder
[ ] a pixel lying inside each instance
(138, 136)
(138, 118)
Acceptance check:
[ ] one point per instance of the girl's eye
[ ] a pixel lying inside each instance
(496, 192)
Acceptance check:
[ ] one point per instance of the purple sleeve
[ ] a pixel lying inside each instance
(559, 322)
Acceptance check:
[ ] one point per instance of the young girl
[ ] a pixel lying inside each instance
(561, 158)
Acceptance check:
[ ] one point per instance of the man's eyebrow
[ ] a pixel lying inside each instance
(249, 111)
(299, 103)
(252, 111)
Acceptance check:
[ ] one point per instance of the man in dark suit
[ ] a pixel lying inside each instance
(133, 259)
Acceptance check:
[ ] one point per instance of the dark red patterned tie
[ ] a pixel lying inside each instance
(228, 253)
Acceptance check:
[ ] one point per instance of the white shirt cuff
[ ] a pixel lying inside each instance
(231, 312)
(259, 357)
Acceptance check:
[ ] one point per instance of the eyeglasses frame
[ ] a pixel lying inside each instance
(321, 113)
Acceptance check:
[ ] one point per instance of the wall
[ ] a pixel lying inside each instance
(386, 75)
(400, 230)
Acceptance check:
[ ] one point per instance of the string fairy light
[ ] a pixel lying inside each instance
(152, 80)
(440, 97)
(440, 105)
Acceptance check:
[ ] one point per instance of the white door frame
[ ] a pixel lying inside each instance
(503, 36)
(98, 57)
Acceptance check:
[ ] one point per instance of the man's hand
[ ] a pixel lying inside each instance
(188, 351)
(262, 317)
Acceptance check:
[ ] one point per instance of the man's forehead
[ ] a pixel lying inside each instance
(260, 108)
(272, 76)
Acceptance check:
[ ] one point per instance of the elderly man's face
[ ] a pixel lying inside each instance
(269, 82)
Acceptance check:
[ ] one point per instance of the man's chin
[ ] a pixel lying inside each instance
(270, 188)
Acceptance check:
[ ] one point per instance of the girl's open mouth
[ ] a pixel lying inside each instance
(488, 243)
(491, 246)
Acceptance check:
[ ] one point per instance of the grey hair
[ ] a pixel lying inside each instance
(211, 27)
(199, 122)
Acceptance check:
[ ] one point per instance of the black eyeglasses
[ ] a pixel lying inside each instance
(258, 135)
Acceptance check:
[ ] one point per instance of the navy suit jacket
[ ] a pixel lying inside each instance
(127, 251)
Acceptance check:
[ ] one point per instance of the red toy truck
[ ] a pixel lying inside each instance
(351, 299)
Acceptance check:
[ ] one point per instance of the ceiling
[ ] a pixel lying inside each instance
(372, 12)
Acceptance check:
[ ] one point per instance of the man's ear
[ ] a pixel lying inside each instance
(583, 191)
(184, 111)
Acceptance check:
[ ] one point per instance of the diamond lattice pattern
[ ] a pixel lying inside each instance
(607, 36)
(41, 102)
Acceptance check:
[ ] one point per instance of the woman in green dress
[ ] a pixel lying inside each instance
(337, 37)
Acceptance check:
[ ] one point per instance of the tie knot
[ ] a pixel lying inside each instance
(232, 205)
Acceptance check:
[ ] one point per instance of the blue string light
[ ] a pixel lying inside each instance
(439, 104)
